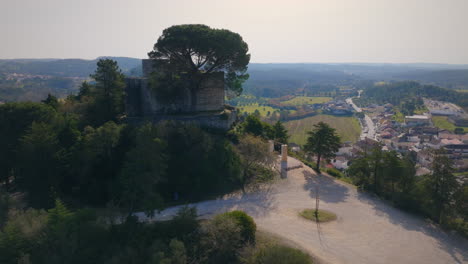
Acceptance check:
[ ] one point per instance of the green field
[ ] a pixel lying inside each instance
(347, 127)
(305, 100)
(443, 123)
(252, 107)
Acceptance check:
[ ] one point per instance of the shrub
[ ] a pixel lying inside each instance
(245, 222)
(263, 174)
(279, 254)
(459, 225)
(334, 172)
(220, 240)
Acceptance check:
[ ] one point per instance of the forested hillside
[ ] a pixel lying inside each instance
(29, 79)
(453, 78)
(62, 68)
(396, 93)
(73, 173)
(33, 80)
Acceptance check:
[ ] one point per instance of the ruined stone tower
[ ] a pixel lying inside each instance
(209, 109)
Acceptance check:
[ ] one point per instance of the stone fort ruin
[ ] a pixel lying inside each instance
(207, 110)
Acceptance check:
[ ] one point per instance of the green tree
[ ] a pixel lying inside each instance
(198, 50)
(144, 167)
(5, 204)
(376, 163)
(85, 90)
(393, 170)
(408, 178)
(254, 152)
(461, 203)
(280, 134)
(95, 163)
(70, 237)
(13, 244)
(39, 164)
(15, 120)
(322, 142)
(257, 113)
(221, 240)
(245, 222)
(52, 101)
(109, 92)
(442, 184)
(360, 171)
(253, 125)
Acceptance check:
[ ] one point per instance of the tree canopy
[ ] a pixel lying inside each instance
(109, 92)
(198, 50)
(323, 142)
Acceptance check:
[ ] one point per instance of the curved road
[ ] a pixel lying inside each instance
(367, 230)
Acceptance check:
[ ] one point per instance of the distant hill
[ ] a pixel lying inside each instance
(278, 79)
(63, 67)
(453, 79)
(33, 79)
(266, 79)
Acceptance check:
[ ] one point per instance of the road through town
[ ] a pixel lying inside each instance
(367, 230)
(368, 131)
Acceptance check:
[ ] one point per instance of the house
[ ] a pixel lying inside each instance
(418, 120)
(456, 151)
(449, 135)
(340, 162)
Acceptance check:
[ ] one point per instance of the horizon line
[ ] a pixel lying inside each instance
(355, 62)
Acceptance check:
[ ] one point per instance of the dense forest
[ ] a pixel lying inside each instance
(438, 195)
(73, 172)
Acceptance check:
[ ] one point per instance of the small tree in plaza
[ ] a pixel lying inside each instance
(322, 142)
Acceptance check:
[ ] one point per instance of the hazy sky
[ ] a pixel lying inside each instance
(276, 31)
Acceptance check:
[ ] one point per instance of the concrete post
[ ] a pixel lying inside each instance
(284, 161)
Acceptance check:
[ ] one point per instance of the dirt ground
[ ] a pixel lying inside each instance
(367, 230)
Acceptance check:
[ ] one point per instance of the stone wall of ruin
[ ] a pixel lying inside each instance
(142, 101)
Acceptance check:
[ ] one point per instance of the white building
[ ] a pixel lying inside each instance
(417, 120)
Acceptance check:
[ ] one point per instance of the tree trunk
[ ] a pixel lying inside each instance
(318, 162)
(243, 181)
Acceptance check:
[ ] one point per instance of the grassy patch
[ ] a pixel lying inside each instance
(348, 180)
(347, 127)
(442, 122)
(398, 116)
(321, 216)
(305, 100)
(272, 249)
(252, 107)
